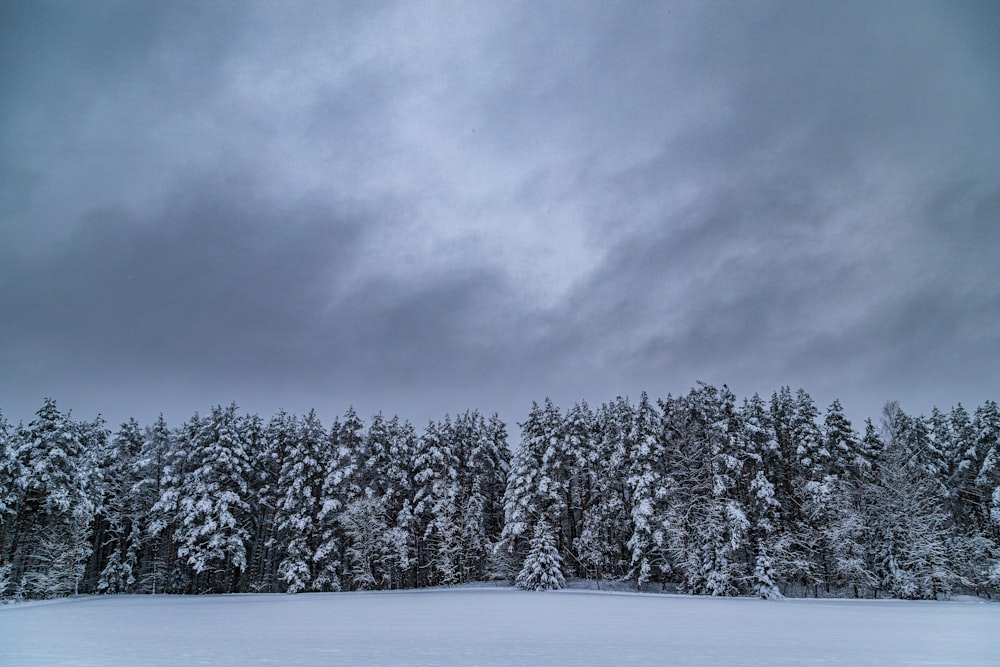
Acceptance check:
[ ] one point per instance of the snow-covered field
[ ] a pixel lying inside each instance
(495, 626)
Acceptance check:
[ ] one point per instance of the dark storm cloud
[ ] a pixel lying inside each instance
(766, 281)
(428, 207)
(823, 244)
(208, 285)
(213, 294)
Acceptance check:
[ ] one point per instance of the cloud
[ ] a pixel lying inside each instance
(427, 208)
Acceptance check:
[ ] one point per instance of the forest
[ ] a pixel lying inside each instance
(698, 493)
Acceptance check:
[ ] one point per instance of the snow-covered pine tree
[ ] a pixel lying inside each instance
(496, 468)
(339, 489)
(871, 443)
(707, 525)
(816, 477)
(647, 494)
(599, 446)
(384, 472)
(182, 458)
(402, 538)
(475, 546)
(398, 472)
(814, 480)
(813, 459)
(278, 438)
(94, 438)
(977, 545)
(299, 488)
(943, 448)
(536, 486)
(251, 431)
(986, 429)
(118, 536)
(213, 522)
(794, 467)
(842, 443)
(542, 569)
(721, 428)
(782, 413)
(463, 438)
(952, 460)
(261, 475)
(965, 464)
(51, 529)
(483, 462)
(906, 517)
(436, 504)
(348, 444)
(374, 458)
(9, 500)
(766, 537)
(149, 471)
(520, 506)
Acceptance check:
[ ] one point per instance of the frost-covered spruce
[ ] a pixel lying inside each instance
(647, 483)
(209, 492)
(118, 510)
(10, 497)
(50, 540)
(542, 569)
(301, 480)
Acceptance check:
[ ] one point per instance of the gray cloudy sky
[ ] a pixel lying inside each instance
(426, 207)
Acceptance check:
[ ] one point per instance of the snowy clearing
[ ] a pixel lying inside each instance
(495, 626)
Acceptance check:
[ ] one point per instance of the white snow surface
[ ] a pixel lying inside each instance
(495, 626)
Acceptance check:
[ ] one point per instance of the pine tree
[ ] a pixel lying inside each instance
(966, 465)
(9, 501)
(542, 570)
(301, 483)
(119, 536)
(212, 524)
(821, 456)
(150, 472)
(348, 443)
(374, 458)
(276, 441)
(497, 457)
(767, 537)
(813, 459)
(707, 524)
(871, 443)
(783, 461)
(906, 516)
(404, 534)
(436, 503)
(51, 529)
(986, 429)
(600, 446)
(339, 489)
(536, 487)
(648, 487)
(484, 461)
(842, 443)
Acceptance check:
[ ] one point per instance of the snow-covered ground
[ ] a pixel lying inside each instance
(495, 626)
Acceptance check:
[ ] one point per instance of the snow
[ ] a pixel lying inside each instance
(495, 626)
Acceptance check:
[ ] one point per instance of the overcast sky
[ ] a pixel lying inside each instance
(421, 208)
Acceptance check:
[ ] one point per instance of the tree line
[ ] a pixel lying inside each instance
(228, 503)
(696, 493)
(707, 496)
